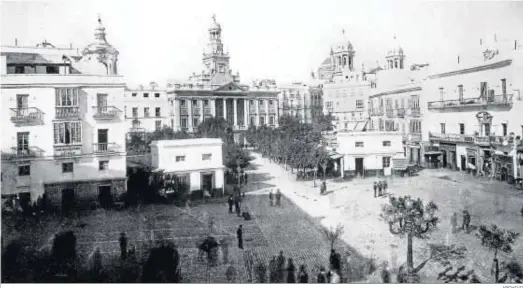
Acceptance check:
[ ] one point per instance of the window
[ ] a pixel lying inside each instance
(146, 112)
(125, 111)
(346, 125)
(415, 126)
(67, 167)
(134, 94)
(180, 158)
(359, 104)
(157, 112)
(261, 102)
(157, 95)
(271, 120)
(486, 129)
(270, 102)
(205, 103)
(386, 162)
(504, 126)
(103, 165)
(184, 122)
(460, 92)
(158, 124)
(206, 157)
(462, 128)
(145, 95)
(503, 86)
(66, 97)
(359, 144)
(194, 102)
(262, 120)
(182, 103)
(386, 143)
(442, 126)
(24, 170)
(135, 112)
(195, 121)
(68, 133)
(252, 102)
(22, 145)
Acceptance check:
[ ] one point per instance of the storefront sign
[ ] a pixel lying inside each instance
(447, 147)
(431, 148)
(471, 152)
(503, 158)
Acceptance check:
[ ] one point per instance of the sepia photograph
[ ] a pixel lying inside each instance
(243, 142)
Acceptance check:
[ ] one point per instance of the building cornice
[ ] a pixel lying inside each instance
(495, 65)
(397, 91)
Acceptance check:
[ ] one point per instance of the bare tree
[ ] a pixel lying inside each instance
(333, 234)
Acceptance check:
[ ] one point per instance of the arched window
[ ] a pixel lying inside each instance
(396, 64)
(344, 61)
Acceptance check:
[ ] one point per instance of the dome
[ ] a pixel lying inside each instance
(396, 51)
(342, 44)
(214, 25)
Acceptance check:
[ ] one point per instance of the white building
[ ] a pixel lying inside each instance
(197, 163)
(147, 110)
(369, 153)
(63, 131)
(301, 100)
(473, 116)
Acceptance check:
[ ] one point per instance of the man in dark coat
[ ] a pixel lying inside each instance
(334, 261)
(323, 187)
(322, 278)
(271, 198)
(123, 246)
(375, 189)
(239, 235)
(280, 263)
(278, 197)
(466, 221)
(273, 270)
(230, 201)
(237, 205)
(380, 186)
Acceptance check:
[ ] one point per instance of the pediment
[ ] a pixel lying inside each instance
(230, 87)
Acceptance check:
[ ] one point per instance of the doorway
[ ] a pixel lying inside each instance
(359, 166)
(68, 200)
(104, 196)
(444, 158)
(463, 163)
(504, 174)
(207, 181)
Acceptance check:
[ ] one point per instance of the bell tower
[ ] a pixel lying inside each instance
(214, 58)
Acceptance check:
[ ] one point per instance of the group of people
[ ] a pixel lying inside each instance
(380, 188)
(465, 224)
(272, 196)
(235, 201)
(279, 273)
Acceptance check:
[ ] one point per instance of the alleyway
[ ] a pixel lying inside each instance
(352, 204)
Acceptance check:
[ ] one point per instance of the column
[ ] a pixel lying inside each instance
(257, 118)
(245, 113)
(189, 112)
(342, 167)
(235, 109)
(277, 114)
(225, 109)
(212, 102)
(267, 111)
(201, 111)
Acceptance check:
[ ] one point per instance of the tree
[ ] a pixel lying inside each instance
(162, 265)
(497, 240)
(410, 217)
(333, 234)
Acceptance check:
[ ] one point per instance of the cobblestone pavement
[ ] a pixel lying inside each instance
(352, 203)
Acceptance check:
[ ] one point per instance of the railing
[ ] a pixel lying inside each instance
(252, 110)
(415, 137)
(415, 112)
(207, 111)
(184, 111)
(272, 110)
(501, 100)
(68, 150)
(451, 137)
(67, 112)
(493, 140)
(195, 110)
(390, 113)
(105, 148)
(400, 112)
(105, 112)
(376, 112)
(26, 152)
(263, 110)
(26, 115)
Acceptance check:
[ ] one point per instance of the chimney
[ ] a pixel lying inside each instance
(480, 41)
(16, 42)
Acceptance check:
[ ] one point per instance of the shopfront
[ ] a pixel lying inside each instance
(432, 157)
(448, 155)
(503, 165)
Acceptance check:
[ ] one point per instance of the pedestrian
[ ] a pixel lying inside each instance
(454, 222)
(206, 195)
(321, 278)
(303, 277)
(123, 245)
(273, 270)
(335, 277)
(380, 186)
(375, 189)
(231, 203)
(278, 198)
(246, 178)
(400, 278)
(291, 270)
(239, 235)
(385, 186)
(385, 274)
(334, 261)
(280, 263)
(271, 197)
(237, 205)
(466, 221)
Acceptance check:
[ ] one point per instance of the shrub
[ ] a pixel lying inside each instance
(162, 266)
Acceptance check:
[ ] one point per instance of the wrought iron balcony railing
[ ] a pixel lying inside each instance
(106, 148)
(184, 111)
(272, 110)
(400, 112)
(105, 112)
(263, 110)
(376, 112)
(452, 137)
(252, 110)
(207, 111)
(415, 112)
(26, 115)
(196, 110)
(390, 113)
(21, 153)
(67, 112)
(495, 100)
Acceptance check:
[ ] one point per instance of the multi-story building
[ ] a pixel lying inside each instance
(473, 118)
(394, 104)
(301, 100)
(147, 110)
(197, 164)
(217, 92)
(63, 132)
(346, 90)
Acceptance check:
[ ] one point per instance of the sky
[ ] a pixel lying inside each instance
(276, 39)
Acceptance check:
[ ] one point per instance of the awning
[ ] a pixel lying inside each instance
(433, 153)
(335, 156)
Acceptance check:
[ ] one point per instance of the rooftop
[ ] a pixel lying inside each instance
(187, 142)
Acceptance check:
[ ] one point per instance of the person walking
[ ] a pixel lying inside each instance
(375, 189)
(123, 245)
(280, 265)
(385, 186)
(334, 261)
(230, 201)
(239, 235)
(303, 277)
(380, 186)
(291, 270)
(454, 222)
(237, 205)
(273, 270)
(385, 274)
(278, 198)
(271, 198)
(323, 188)
(322, 277)
(246, 177)
(466, 221)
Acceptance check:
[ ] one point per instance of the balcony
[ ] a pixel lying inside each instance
(493, 100)
(207, 111)
(67, 112)
(106, 148)
(26, 116)
(400, 112)
(252, 110)
(390, 113)
(26, 153)
(376, 112)
(451, 137)
(272, 110)
(414, 137)
(105, 112)
(196, 111)
(493, 140)
(184, 111)
(68, 150)
(263, 110)
(415, 112)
